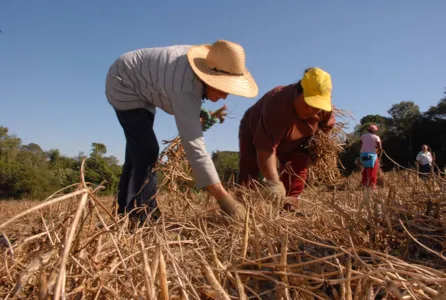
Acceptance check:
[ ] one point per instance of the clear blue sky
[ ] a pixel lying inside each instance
(54, 56)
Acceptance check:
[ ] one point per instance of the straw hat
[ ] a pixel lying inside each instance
(222, 66)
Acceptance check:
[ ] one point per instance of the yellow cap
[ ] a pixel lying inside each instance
(316, 84)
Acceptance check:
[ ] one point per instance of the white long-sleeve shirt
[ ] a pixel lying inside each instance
(162, 77)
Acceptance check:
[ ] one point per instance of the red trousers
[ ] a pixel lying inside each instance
(370, 175)
(293, 168)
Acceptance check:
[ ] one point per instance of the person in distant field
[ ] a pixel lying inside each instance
(424, 160)
(370, 146)
(277, 128)
(175, 79)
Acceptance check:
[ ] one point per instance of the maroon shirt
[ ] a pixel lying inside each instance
(273, 124)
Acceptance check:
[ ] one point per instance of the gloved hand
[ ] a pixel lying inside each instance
(205, 114)
(208, 120)
(276, 192)
(205, 126)
(233, 208)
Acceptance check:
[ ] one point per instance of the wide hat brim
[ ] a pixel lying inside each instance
(320, 102)
(240, 85)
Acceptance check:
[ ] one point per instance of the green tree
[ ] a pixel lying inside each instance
(53, 155)
(98, 150)
(404, 115)
(382, 122)
(437, 112)
(9, 144)
(226, 163)
(66, 169)
(100, 168)
(27, 171)
(24, 169)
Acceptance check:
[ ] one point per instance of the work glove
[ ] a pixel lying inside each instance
(205, 114)
(206, 125)
(276, 192)
(233, 208)
(208, 120)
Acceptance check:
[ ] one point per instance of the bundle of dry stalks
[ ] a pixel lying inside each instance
(173, 162)
(324, 149)
(78, 248)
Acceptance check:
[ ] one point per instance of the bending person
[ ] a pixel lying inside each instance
(175, 79)
(279, 125)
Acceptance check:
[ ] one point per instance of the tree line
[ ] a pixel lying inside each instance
(402, 134)
(27, 171)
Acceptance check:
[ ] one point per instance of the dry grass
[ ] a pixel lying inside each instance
(343, 244)
(78, 248)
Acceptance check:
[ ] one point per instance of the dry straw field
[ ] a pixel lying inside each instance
(342, 244)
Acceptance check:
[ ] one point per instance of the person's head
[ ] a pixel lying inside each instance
(372, 128)
(424, 148)
(221, 68)
(313, 93)
(213, 94)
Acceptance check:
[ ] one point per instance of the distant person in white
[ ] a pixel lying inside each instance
(175, 79)
(424, 160)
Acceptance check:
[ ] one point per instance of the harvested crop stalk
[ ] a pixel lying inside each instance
(67, 247)
(173, 162)
(147, 272)
(246, 235)
(324, 149)
(214, 282)
(164, 289)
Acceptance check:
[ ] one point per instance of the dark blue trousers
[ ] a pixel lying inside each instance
(137, 186)
(425, 171)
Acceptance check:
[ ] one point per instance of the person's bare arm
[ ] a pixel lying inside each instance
(270, 131)
(379, 146)
(418, 159)
(217, 190)
(268, 165)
